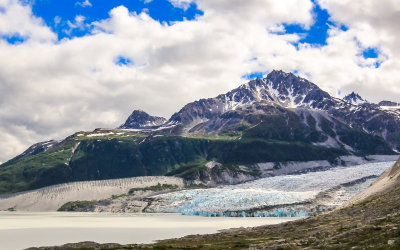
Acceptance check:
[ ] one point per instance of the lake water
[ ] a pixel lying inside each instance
(20, 230)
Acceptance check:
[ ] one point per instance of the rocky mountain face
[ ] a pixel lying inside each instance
(141, 120)
(354, 99)
(283, 101)
(277, 89)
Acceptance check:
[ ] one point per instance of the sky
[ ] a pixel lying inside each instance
(73, 65)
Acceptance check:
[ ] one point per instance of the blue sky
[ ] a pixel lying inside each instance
(317, 34)
(59, 13)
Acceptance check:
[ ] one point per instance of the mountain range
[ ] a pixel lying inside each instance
(276, 119)
(309, 112)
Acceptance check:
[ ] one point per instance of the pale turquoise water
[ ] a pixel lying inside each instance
(20, 230)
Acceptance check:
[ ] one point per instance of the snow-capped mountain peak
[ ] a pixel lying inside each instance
(292, 91)
(277, 89)
(288, 90)
(282, 95)
(354, 99)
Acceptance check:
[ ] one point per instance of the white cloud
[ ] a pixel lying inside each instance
(183, 4)
(17, 19)
(79, 23)
(370, 24)
(84, 4)
(52, 89)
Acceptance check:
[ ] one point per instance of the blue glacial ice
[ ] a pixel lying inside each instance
(279, 196)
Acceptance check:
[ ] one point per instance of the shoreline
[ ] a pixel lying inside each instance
(30, 229)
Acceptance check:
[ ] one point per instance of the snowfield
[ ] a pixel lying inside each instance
(288, 195)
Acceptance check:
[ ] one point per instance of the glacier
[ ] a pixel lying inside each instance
(297, 195)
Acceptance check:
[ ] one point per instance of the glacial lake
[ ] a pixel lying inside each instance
(19, 230)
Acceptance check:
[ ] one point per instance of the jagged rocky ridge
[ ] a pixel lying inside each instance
(279, 118)
(354, 99)
(302, 108)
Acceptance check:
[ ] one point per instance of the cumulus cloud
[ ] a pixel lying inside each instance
(371, 24)
(50, 89)
(16, 19)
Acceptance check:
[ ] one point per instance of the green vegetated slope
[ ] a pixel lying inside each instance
(81, 158)
(36, 171)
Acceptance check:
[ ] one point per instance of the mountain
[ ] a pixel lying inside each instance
(313, 114)
(141, 120)
(354, 99)
(279, 118)
(278, 89)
